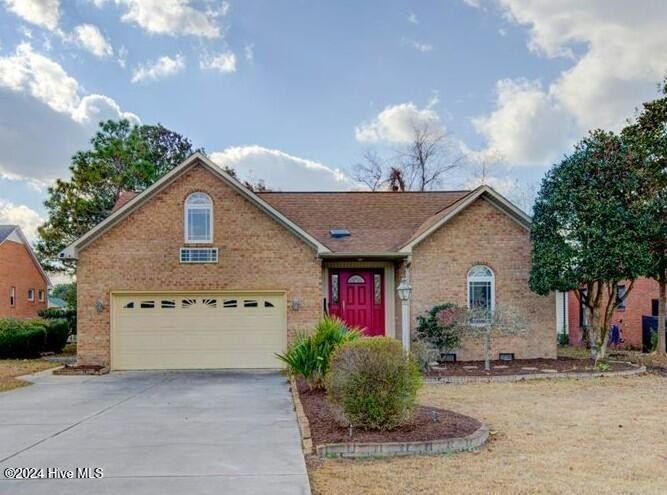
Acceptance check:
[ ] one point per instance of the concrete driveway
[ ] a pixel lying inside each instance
(154, 432)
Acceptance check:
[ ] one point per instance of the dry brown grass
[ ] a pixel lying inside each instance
(591, 436)
(11, 368)
(652, 360)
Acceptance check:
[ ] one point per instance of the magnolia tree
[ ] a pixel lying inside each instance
(589, 232)
(647, 137)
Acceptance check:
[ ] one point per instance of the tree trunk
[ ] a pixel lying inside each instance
(487, 350)
(661, 315)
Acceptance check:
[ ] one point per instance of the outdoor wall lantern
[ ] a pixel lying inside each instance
(404, 291)
(99, 306)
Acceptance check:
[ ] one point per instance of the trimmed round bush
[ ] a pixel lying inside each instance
(21, 339)
(373, 383)
(57, 332)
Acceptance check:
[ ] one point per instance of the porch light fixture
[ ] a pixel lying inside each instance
(404, 290)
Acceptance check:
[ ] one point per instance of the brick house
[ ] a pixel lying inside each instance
(198, 271)
(641, 301)
(23, 282)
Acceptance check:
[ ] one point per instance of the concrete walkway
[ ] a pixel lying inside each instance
(194, 432)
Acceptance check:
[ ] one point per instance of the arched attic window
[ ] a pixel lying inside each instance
(198, 218)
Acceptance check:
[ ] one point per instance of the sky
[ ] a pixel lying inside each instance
(295, 92)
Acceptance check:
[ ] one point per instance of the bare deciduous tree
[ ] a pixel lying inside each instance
(370, 172)
(428, 157)
(419, 165)
(487, 323)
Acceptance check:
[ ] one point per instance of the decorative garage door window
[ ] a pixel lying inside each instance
(194, 302)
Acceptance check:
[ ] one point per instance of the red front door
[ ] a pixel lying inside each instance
(357, 296)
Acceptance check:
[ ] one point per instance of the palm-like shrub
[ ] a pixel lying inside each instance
(308, 356)
(373, 383)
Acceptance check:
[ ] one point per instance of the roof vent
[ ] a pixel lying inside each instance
(339, 233)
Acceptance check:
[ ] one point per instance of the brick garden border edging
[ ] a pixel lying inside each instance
(391, 449)
(381, 449)
(301, 419)
(534, 376)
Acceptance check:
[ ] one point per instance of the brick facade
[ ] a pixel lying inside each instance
(257, 253)
(637, 304)
(481, 234)
(18, 269)
(142, 253)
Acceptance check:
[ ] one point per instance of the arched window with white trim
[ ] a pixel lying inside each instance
(198, 218)
(481, 289)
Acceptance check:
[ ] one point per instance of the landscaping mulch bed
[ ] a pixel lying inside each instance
(326, 430)
(523, 367)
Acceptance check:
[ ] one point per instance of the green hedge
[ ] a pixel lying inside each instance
(25, 339)
(57, 332)
(21, 339)
(68, 314)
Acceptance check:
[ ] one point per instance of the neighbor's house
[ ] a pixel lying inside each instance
(23, 283)
(200, 272)
(641, 302)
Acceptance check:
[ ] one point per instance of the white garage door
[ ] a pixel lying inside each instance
(197, 331)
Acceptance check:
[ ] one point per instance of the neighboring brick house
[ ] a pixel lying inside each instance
(200, 272)
(23, 283)
(641, 301)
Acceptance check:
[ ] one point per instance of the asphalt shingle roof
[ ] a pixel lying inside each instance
(5, 230)
(377, 221)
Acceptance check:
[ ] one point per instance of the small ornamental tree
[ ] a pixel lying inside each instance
(588, 233)
(488, 324)
(439, 328)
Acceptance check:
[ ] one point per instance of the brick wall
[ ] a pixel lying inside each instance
(637, 304)
(141, 253)
(17, 269)
(481, 234)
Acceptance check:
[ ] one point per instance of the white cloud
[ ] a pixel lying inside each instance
(223, 62)
(249, 51)
(90, 38)
(412, 18)
(43, 78)
(173, 17)
(527, 127)
(396, 123)
(26, 218)
(419, 46)
(39, 134)
(618, 54)
(97, 108)
(159, 69)
(44, 13)
(280, 170)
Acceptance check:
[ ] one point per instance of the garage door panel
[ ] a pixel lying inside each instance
(181, 331)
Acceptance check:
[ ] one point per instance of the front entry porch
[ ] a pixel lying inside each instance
(361, 293)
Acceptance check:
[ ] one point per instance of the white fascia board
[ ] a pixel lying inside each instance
(496, 199)
(71, 251)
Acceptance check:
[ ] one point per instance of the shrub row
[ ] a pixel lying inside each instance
(21, 339)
